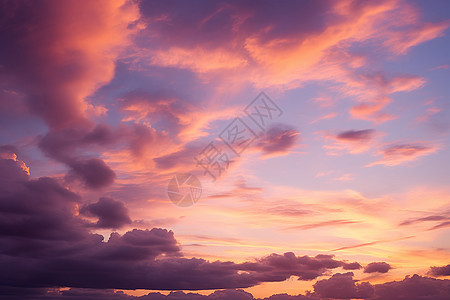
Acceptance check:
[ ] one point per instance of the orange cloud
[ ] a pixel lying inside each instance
(401, 41)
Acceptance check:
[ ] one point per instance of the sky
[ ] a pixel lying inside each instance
(224, 150)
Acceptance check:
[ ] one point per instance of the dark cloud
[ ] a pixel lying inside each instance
(275, 266)
(288, 297)
(351, 266)
(440, 271)
(93, 172)
(379, 267)
(11, 169)
(95, 294)
(9, 149)
(342, 286)
(339, 286)
(69, 146)
(45, 243)
(356, 135)
(110, 213)
(278, 139)
(413, 288)
(235, 20)
(65, 145)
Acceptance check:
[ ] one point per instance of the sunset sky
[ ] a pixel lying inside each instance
(342, 193)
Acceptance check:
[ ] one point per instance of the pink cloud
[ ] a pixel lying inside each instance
(324, 117)
(352, 141)
(396, 154)
(63, 53)
(401, 41)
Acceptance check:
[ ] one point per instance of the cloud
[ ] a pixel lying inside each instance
(110, 213)
(44, 242)
(323, 224)
(278, 140)
(371, 110)
(378, 267)
(440, 271)
(342, 286)
(414, 288)
(351, 141)
(339, 286)
(165, 110)
(351, 266)
(12, 166)
(324, 117)
(371, 243)
(72, 146)
(57, 54)
(93, 172)
(374, 90)
(356, 135)
(425, 219)
(440, 221)
(181, 158)
(415, 35)
(397, 154)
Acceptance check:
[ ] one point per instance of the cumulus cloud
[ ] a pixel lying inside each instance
(94, 172)
(440, 271)
(342, 286)
(110, 213)
(414, 288)
(45, 243)
(377, 267)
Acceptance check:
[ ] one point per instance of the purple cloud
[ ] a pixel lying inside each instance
(356, 135)
(342, 286)
(379, 267)
(93, 172)
(440, 271)
(278, 140)
(110, 213)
